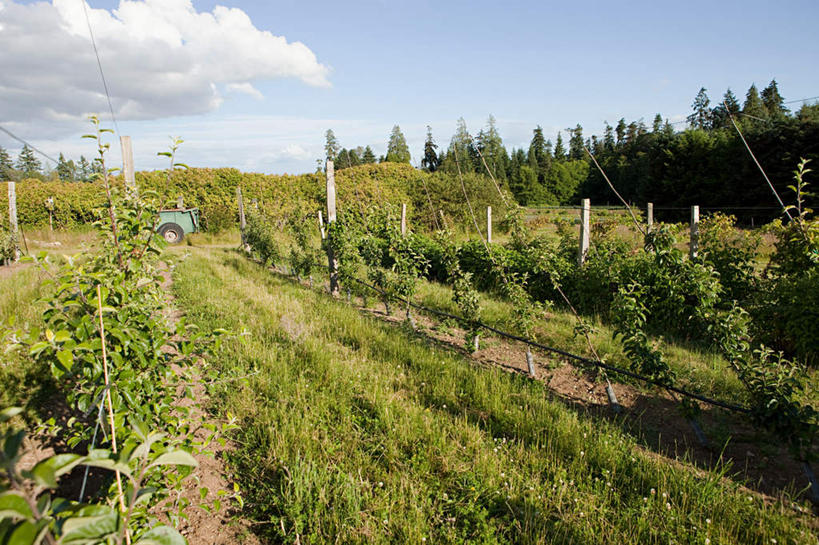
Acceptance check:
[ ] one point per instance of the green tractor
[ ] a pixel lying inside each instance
(175, 223)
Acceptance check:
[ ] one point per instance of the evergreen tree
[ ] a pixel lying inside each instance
(576, 150)
(27, 163)
(538, 156)
(368, 157)
(460, 150)
(83, 170)
(608, 137)
(430, 162)
(753, 107)
(491, 147)
(65, 169)
(6, 166)
(658, 124)
(773, 101)
(560, 151)
(722, 112)
(397, 149)
(702, 117)
(331, 145)
(621, 131)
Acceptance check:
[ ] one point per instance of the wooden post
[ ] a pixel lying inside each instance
(127, 162)
(242, 219)
(50, 206)
(321, 225)
(585, 212)
(13, 227)
(695, 231)
(650, 214)
(403, 219)
(331, 217)
(489, 224)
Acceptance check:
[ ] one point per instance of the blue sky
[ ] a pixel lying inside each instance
(419, 63)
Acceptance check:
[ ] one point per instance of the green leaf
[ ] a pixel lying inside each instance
(45, 473)
(13, 505)
(104, 459)
(164, 153)
(62, 336)
(27, 533)
(90, 524)
(8, 414)
(175, 458)
(161, 535)
(66, 357)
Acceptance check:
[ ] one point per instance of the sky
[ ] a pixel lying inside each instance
(255, 84)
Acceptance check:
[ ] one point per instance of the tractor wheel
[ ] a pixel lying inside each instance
(172, 233)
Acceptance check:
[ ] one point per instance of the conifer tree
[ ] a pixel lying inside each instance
(702, 117)
(368, 157)
(83, 170)
(657, 125)
(576, 150)
(397, 149)
(538, 156)
(65, 169)
(621, 131)
(753, 107)
(6, 166)
(773, 101)
(331, 145)
(27, 162)
(430, 162)
(560, 151)
(608, 137)
(491, 147)
(460, 150)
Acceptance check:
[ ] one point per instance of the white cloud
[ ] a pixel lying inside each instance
(161, 58)
(245, 88)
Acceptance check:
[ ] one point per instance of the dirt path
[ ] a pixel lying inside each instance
(201, 527)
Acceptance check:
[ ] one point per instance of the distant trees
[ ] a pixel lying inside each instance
(397, 148)
(27, 163)
(331, 146)
(704, 163)
(430, 162)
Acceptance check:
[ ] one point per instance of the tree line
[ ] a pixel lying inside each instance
(28, 166)
(703, 163)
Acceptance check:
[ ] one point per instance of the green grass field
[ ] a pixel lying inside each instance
(353, 430)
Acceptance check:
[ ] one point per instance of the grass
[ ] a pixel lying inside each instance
(356, 431)
(700, 370)
(22, 383)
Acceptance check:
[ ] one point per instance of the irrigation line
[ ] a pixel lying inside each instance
(564, 353)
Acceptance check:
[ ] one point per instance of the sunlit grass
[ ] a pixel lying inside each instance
(355, 431)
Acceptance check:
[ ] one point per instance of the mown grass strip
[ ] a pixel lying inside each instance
(357, 431)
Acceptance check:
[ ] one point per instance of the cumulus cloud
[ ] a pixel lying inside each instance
(161, 58)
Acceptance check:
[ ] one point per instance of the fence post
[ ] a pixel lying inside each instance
(321, 225)
(695, 231)
(585, 212)
(13, 227)
(403, 219)
(331, 217)
(650, 215)
(242, 220)
(50, 205)
(127, 162)
(489, 224)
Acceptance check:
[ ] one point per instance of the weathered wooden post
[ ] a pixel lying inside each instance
(650, 214)
(49, 202)
(695, 231)
(403, 219)
(242, 219)
(321, 225)
(127, 163)
(489, 224)
(13, 227)
(331, 217)
(585, 212)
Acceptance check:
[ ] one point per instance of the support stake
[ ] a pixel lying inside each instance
(331, 217)
(695, 231)
(585, 212)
